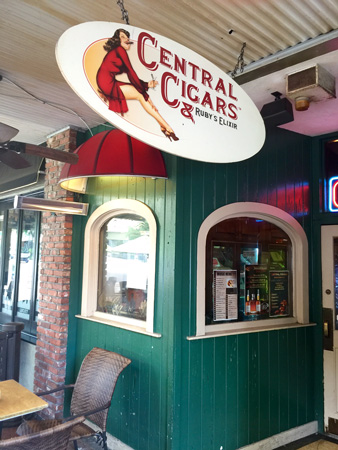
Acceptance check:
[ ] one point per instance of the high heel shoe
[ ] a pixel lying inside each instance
(169, 134)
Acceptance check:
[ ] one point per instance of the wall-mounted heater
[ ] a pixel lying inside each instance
(43, 204)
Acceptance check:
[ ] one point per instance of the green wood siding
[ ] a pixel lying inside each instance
(241, 389)
(237, 390)
(226, 391)
(141, 406)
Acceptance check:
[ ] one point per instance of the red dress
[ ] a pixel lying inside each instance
(116, 62)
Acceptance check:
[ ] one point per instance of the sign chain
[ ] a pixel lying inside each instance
(125, 15)
(240, 62)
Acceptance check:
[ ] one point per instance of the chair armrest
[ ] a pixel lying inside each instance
(60, 388)
(91, 411)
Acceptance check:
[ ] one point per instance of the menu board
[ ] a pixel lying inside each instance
(256, 289)
(225, 295)
(248, 256)
(279, 293)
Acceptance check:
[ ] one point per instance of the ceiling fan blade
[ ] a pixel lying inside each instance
(44, 152)
(7, 132)
(12, 159)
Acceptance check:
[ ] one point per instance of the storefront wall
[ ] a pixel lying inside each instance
(141, 407)
(240, 389)
(218, 392)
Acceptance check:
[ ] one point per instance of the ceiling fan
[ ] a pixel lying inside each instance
(10, 150)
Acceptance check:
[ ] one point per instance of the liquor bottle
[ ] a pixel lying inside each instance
(258, 303)
(253, 304)
(247, 304)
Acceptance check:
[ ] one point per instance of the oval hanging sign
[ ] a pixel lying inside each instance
(160, 92)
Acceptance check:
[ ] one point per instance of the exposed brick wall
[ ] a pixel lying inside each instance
(52, 330)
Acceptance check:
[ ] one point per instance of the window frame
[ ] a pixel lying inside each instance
(91, 255)
(299, 269)
(29, 332)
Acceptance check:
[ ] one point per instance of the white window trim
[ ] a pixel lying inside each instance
(91, 265)
(299, 268)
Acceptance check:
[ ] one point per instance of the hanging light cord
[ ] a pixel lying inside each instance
(52, 104)
(125, 15)
(240, 62)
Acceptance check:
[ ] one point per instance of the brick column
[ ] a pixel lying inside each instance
(52, 330)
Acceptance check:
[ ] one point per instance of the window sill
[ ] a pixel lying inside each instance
(254, 329)
(124, 326)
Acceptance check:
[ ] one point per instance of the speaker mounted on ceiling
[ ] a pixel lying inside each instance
(277, 112)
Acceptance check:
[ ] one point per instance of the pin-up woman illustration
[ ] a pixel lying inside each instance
(116, 93)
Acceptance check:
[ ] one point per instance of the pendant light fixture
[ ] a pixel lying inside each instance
(112, 153)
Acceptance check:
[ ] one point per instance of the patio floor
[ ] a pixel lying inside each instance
(313, 442)
(321, 445)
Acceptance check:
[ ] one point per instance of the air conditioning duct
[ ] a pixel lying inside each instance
(313, 84)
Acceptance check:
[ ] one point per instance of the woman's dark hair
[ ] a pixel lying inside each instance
(115, 41)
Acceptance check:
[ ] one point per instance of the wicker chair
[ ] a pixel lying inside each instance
(54, 438)
(92, 395)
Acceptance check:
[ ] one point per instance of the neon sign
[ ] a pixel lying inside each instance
(333, 194)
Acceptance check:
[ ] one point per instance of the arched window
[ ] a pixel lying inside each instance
(119, 265)
(252, 270)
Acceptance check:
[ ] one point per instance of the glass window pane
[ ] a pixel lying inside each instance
(248, 271)
(10, 262)
(36, 311)
(27, 264)
(2, 218)
(123, 270)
